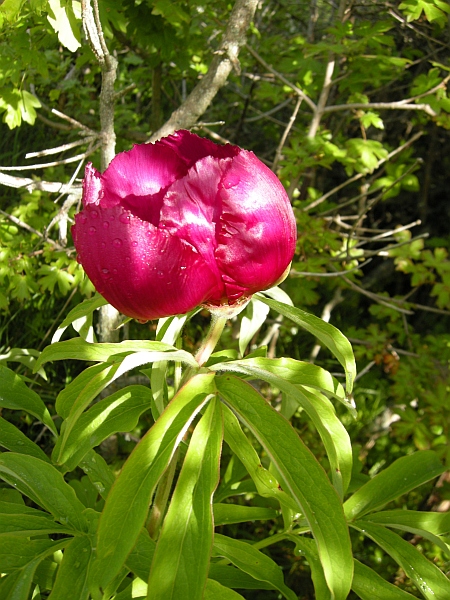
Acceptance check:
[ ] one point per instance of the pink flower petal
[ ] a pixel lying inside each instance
(191, 147)
(144, 272)
(256, 240)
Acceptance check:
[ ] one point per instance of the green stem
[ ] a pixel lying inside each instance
(212, 337)
(165, 485)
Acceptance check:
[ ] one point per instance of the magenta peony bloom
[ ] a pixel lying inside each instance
(183, 222)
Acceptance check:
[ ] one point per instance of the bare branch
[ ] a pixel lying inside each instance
(281, 77)
(30, 229)
(225, 59)
(54, 187)
(58, 149)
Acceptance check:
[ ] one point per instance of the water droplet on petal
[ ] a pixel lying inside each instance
(160, 274)
(103, 245)
(134, 244)
(117, 242)
(105, 224)
(105, 273)
(79, 259)
(124, 218)
(127, 258)
(83, 219)
(142, 321)
(231, 181)
(114, 271)
(94, 214)
(92, 230)
(182, 268)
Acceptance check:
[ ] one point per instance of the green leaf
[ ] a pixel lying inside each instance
(370, 586)
(118, 412)
(317, 406)
(330, 337)
(303, 479)
(435, 522)
(100, 475)
(22, 557)
(252, 561)
(308, 548)
(430, 580)
(266, 484)
(11, 9)
(127, 504)
(177, 571)
(426, 525)
(254, 316)
(79, 349)
(235, 578)
(225, 514)
(62, 19)
(86, 308)
(16, 441)
(400, 477)
(15, 395)
(42, 483)
(73, 571)
(140, 558)
(27, 523)
(216, 591)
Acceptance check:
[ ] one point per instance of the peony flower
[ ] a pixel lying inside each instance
(183, 222)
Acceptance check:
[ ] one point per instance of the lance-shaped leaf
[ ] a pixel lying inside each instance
(79, 349)
(400, 477)
(252, 561)
(319, 409)
(265, 482)
(225, 514)
(127, 505)
(21, 520)
(308, 549)
(181, 561)
(254, 316)
(100, 475)
(15, 395)
(428, 578)
(303, 479)
(370, 586)
(118, 412)
(43, 484)
(231, 577)
(330, 337)
(84, 309)
(216, 591)
(73, 572)
(16, 441)
(21, 558)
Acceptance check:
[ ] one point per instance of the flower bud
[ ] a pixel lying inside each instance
(183, 222)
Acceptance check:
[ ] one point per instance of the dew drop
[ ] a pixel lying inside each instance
(83, 219)
(76, 565)
(127, 258)
(94, 214)
(160, 274)
(142, 321)
(103, 245)
(182, 268)
(134, 244)
(162, 250)
(92, 230)
(105, 273)
(78, 259)
(105, 224)
(117, 242)
(114, 271)
(231, 182)
(124, 218)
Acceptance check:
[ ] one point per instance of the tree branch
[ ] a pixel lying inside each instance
(225, 59)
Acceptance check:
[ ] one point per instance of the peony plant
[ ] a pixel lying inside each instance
(166, 228)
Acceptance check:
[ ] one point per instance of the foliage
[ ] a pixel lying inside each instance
(352, 112)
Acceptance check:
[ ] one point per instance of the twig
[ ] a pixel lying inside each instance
(55, 163)
(225, 59)
(285, 134)
(326, 316)
(52, 187)
(295, 273)
(62, 148)
(30, 229)
(361, 175)
(281, 77)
